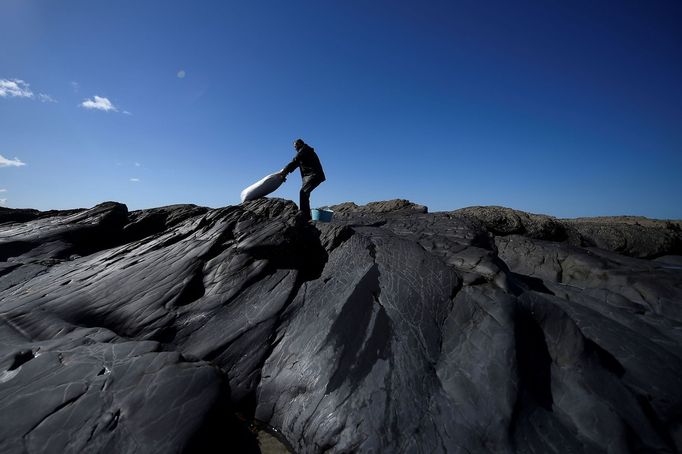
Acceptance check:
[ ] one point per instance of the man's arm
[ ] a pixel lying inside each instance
(291, 166)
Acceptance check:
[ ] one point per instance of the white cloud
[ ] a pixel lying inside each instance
(99, 103)
(135, 180)
(137, 164)
(76, 86)
(3, 201)
(4, 162)
(3, 190)
(46, 98)
(15, 88)
(181, 74)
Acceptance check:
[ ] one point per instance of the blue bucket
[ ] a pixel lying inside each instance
(321, 214)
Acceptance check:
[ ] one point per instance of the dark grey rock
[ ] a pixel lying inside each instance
(12, 215)
(388, 330)
(669, 261)
(87, 389)
(388, 206)
(8, 215)
(633, 237)
(81, 233)
(628, 235)
(144, 223)
(505, 221)
(642, 286)
(375, 212)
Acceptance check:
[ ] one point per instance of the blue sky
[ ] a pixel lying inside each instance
(564, 108)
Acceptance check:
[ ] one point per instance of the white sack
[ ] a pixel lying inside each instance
(262, 187)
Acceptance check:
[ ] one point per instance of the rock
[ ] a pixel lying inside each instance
(638, 285)
(586, 387)
(505, 221)
(388, 206)
(390, 329)
(8, 215)
(376, 211)
(628, 235)
(640, 238)
(144, 223)
(82, 233)
(362, 334)
(88, 389)
(669, 261)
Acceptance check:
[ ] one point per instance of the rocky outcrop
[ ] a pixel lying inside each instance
(505, 221)
(8, 215)
(628, 235)
(388, 330)
(635, 237)
(349, 210)
(17, 215)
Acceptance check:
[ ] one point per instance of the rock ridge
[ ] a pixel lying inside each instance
(391, 329)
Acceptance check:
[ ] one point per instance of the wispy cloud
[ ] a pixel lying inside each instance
(3, 201)
(135, 180)
(17, 88)
(46, 98)
(75, 86)
(99, 103)
(181, 74)
(137, 164)
(3, 190)
(4, 162)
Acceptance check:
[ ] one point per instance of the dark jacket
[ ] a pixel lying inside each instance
(306, 159)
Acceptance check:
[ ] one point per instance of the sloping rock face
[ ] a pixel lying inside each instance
(387, 330)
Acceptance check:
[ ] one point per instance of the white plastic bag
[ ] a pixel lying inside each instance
(262, 187)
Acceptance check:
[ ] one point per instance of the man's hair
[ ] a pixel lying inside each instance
(298, 143)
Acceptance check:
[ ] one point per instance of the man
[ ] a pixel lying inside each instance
(311, 173)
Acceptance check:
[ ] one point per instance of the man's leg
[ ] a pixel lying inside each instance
(304, 203)
(306, 189)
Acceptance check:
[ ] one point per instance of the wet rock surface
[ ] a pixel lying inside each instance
(390, 329)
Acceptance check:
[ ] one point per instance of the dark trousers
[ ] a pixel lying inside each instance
(308, 185)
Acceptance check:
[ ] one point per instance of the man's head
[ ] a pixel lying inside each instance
(298, 144)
